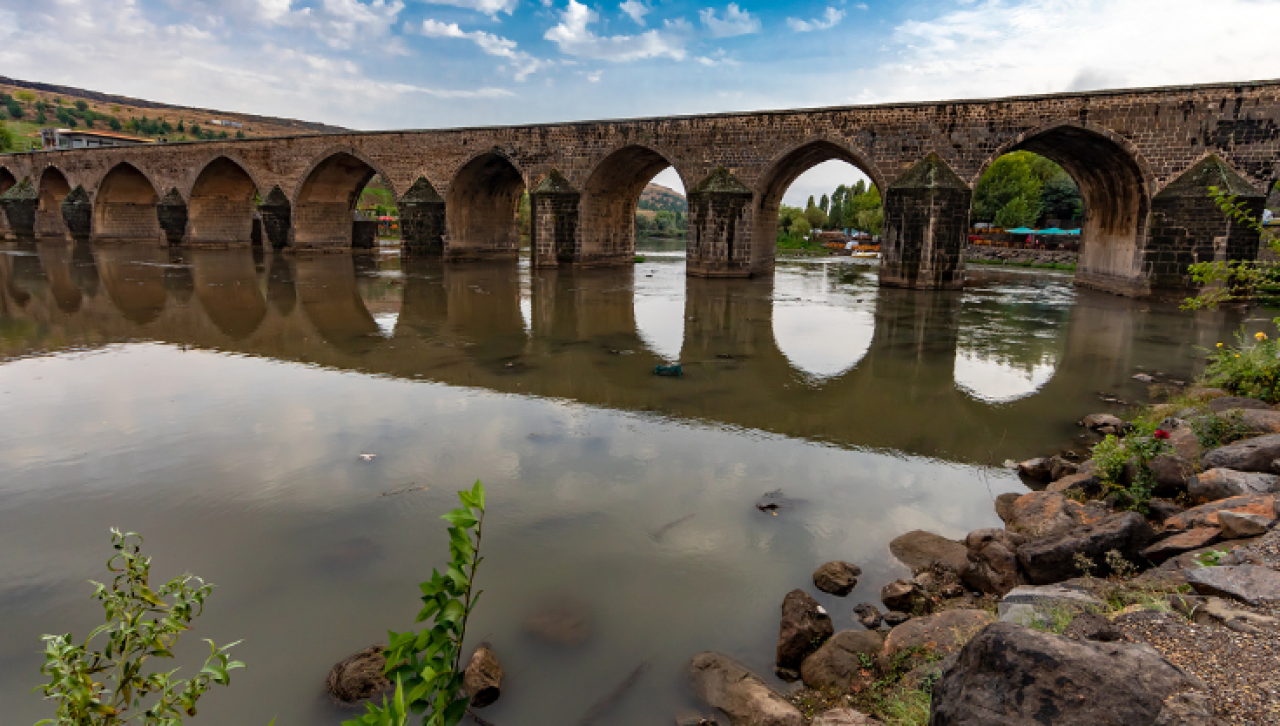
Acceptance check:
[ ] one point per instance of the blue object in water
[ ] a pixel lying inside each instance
(673, 371)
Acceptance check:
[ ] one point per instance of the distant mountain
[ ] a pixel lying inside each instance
(658, 198)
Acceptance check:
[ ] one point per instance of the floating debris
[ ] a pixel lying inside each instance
(403, 491)
(661, 531)
(367, 457)
(671, 371)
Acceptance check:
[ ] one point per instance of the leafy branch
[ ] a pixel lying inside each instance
(1234, 280)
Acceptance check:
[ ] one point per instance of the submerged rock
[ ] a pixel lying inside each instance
(805, 626)
(359, 677)
(868, 615)
(837, 578)
(567, 623)
(724, 684)
(920, 550)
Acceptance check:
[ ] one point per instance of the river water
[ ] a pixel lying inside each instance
(219, 401)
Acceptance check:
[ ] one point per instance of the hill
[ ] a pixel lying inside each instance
(658, 198)
(32, 105)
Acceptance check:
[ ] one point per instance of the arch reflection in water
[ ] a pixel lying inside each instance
(226, 282)
(326, 287)
(825, 328)
(134, 276)
(659, 306)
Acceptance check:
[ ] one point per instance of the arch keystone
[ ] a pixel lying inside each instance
(422, 219)
(720, 226)
(20, 204)
(926, 220)
(77, 212)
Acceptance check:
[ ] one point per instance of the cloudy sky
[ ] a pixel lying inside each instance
(378, 64)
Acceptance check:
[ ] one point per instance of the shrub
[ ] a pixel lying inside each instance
(1247, 370)
(1124, 465)
(1213, 430)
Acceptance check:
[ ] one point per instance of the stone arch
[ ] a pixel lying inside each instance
(609, 200)
(1116, 183)
(7, 181)
(220, 207)
(125, 205)
(53, 188)
(325, 198)
(481, 207)
(786, 167)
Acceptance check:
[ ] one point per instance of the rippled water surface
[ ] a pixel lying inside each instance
(218, 402)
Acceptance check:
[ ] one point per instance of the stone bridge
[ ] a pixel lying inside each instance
(1143, 159)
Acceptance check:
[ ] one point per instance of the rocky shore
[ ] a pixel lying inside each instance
(1027, 258)
(1138, 591)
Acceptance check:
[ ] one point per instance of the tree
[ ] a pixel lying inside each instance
(195, 130)
(1018, 212)
(1010, 177)
(810, 205)
(240, 134)
(180, 126)
(114, 123)
(825, 204)
(15, 109)
(7, 142)
(1060, 198)
(817, 218)
(82, 106)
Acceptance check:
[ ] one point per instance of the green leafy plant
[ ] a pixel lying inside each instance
(113, 686)
(426, 665)
(1213, 430)
(1234, 280)
(1124, 465)
(1249, 369)
(1212, 558)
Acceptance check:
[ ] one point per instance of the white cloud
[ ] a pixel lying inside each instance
(635, 9)
(522, 63)
(735, 21)
(718, 58)
(488, 7)
(345, 23)
(574, 38)
(828, 20)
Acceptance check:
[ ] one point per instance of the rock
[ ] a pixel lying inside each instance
(900, 595)
(1060, 466)
(1171, 473)
(1216, 484)
(1252, 584)
(939, 635)
(1092, 626)
(1207, 393)
(1223, 403)
(1189, 708)
(1206, 515)
(844, 717)
(1053, 559)
(868, 615)
(924, 675)
(1142, 378)
(745, 699)
(992, 565)
(1017, 676)
(1159, 510)
(1083, 482)
(1183, 542)
(805, 625)
(844, 658)
(566, 623)
(482, 680)
(894, 618)
(920, 550)
(1004, 505)
(1036, 605)
(1037, 469)
(1216, 611)
(1236, 525)
(837, 578)
(1185, 443)
(1100, 421)
(1041, 514)
(360, 676)
(1258, 420)
(1254, 454)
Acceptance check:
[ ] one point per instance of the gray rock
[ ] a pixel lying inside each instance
(868, 615)
(745, 699)
(920, 550)
(482, 679)
(1031, 605)
(1258, 420)
(1016, 676)
(900, 594)
(1042, 514)
(894, 618)
(805, 625)
(1206, 515)
(1053, 559)
(1004, 505)
(1216, 484)
(1184, 441)
(1092, 626)
(837, 578)
(1060, 466)
(1084, 482)
(842, 660)
(1037, 469)
(1192, 539)
(993, 561)
(1189, 708)
(1224, 403)
(565, 622)
(1245, 455)
(1171, 473)
(932, 635)
(1236, 525)
(844, 717)
(1252, 584)
(1098, 421)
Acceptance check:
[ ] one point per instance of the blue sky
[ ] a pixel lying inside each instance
(376, 64)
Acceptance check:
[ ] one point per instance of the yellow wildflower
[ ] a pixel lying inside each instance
(1219, 345)
(1260, 335)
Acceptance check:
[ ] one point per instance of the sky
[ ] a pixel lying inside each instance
(386, 64)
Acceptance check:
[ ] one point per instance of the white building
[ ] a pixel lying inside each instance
(86, 139)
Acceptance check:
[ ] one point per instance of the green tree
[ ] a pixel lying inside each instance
(824, 204)
(1010, 177)
(181, 129)
(1060, 198)
(817, 218)
(82, 106)
(15, 109)
(114, 123)
(7, 141)
(240, 134)
(1019, 212)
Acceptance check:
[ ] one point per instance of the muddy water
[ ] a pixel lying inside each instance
(219, 401)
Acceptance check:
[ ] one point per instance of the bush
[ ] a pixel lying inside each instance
(1124, 465)
(1248, 370)
(1213, 430)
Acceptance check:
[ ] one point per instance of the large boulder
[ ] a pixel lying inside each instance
(1185, 443)
(805, 625)
(992, 565)
(1244, 455)
(1104, 423)
(1036, 605)
(1237, 525)
(1054, 559)
(1171, 473)
(1216, 484)
(842, 660)
(745, 699)
(1252, 584)
(1192, 539)
(900, 595)
(934, 635)
(1004, 505)
(482, 679)
(921, 550)
(1016, 676)
(1042, 514)
(1222, 404)
(1206, 515)
(1263, 421)
(837, 578)
(1038, 469)
(359, 677)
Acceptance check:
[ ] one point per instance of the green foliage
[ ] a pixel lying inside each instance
(82, 105)
(1235, 280)
(1124, 465)
(816, 217)
(7, 142)
(1213, 430)
(793, 229)
(115, 124)
(1021, 211)
(113, 686)
(1212, 558)
(1249, 369)
(1044, 188)
(1060, 198)
(14, 109)
(426, 665)
(824, 204)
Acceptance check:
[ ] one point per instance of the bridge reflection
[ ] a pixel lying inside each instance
(913, 371)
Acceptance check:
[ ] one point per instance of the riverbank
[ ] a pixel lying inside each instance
(1156, 558)
(1043, 259)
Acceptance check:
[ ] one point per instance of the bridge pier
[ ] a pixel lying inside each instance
(926, 222)
(53, 189)
(422, 220)
(171, 213)
(554, 232)
(20, 203)
(277, 219)
(77, 213)
(720, 227)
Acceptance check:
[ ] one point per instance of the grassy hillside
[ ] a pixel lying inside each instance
(658, 198)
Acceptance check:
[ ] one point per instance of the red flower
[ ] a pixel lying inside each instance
(1161, 434)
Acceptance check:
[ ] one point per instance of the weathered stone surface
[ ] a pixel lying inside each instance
(1262, 421)
(1171, 473)
(1222, 404)
(868, 615)
(1053, 559)
(1084, 482)
(920, 550)
(1252, 584)
(1016, 676)
(482, 679)
(899, 594)
(939, 634)
(1254, 454)
(1206, 515)
(894, 618)
(1236, 525)
(805, 626)
(1004, 505)
(745, 699)
(1092, 626)
(843, 717)
(359, 677)
(1191, 539)
(837, 578)
(1098, 421)
(1185, 443)
(1029, 605)
(1216, 484)
(1042, 514)
(1038, 469)
(992, 565)
(840, 660)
